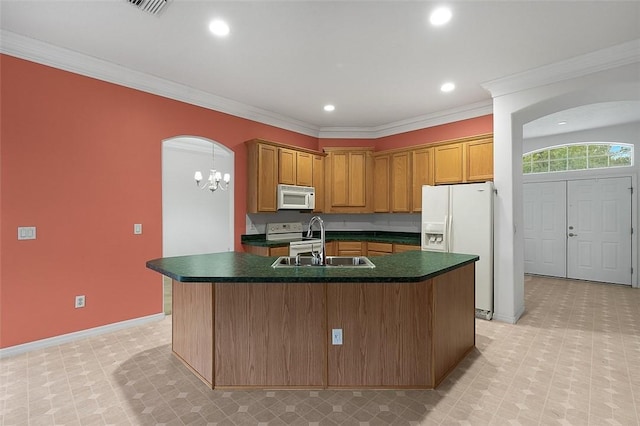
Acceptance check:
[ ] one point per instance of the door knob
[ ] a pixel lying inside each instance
(571, 234)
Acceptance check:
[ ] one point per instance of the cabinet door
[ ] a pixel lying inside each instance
(381, 183)
(340, 179)
(349, 248)
(422, 174)
(357, 179)
(401, 248)
(401, 182)
(318, 182)
(267, 178)
(287, 166)
(379, 249)
(304, 169)
(479, 164)
(279, 251)
(448, 163)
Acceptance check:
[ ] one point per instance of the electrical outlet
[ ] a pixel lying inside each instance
(80, 301)
(336, 336)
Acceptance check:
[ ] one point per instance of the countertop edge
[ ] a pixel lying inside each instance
(304, 279)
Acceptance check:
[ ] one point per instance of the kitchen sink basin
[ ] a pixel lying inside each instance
(332, 262)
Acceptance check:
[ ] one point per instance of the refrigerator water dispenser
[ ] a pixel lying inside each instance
(433, 236)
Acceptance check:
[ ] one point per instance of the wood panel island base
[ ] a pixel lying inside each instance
(270, 333)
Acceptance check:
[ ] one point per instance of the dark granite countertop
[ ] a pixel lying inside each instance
(412, 266)
(411, 238)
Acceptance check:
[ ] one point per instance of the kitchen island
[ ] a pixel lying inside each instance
(239, 323)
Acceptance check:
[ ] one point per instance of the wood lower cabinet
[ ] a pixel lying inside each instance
(401, 248)
(274, 335)
(350, 248)
(266, 251)
(270, 335)
(379, 249)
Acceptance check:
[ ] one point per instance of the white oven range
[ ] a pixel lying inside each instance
(292, 232)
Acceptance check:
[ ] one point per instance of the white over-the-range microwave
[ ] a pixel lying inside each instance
(293, 197)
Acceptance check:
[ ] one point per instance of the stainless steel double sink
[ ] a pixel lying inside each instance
(332, 262)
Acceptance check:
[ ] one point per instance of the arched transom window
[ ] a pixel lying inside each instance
(579, 156)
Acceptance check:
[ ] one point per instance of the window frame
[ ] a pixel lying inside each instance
(540, 161)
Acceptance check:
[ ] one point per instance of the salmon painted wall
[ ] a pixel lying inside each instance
(81, 161)
(443, 132)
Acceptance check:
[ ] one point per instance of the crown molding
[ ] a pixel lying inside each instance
(600, 60)
(46, 54)
(68, 60)
(442, 117)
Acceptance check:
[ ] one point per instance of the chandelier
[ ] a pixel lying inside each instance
(215, 180)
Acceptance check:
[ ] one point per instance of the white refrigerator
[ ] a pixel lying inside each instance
(459, 219)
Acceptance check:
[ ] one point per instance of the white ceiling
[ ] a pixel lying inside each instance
(377, 62)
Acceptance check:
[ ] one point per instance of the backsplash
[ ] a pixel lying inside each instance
(394, 222)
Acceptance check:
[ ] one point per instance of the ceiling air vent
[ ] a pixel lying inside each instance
(152, 6)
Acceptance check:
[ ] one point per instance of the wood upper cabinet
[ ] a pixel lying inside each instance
(304, 169)
(295, 167)
(318, 181)
(348, 180)
(448, 163)
(479, 160)
(421, 174)
(286, 166)
(270, 163)
(262, 177)
(400, 182)
(381, 183)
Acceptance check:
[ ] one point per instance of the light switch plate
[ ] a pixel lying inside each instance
(137, 228)
(26, 232)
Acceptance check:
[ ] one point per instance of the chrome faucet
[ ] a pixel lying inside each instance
(322, 256)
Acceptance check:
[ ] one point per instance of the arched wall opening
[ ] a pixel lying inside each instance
(511, 112)
(194, 220)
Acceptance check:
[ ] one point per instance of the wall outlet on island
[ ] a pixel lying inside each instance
(336, 336)
(80, 301)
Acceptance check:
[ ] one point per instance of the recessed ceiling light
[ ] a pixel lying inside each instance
(561, 123)
(329, 108)
(447, 87)
(440, 16)
(219, 27)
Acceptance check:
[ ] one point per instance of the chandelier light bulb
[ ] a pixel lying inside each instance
(198, 176)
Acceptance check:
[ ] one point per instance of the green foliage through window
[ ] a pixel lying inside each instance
(563, 158)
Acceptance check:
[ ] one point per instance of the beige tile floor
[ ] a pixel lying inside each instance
(573, 359)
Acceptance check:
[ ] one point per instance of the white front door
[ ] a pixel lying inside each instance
(599, 230)
(545, 240)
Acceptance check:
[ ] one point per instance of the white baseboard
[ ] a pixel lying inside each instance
(70, 337)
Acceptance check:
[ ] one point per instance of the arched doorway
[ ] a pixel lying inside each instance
(194, 221)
